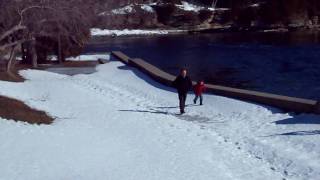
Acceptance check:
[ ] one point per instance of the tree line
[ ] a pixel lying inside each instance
(269, 11)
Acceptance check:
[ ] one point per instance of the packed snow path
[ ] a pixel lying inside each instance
(118, 124)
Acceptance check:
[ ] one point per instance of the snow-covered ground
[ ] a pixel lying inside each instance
(128, 32)
(118, 124)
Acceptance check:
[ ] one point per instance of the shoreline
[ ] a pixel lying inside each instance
(100, 33)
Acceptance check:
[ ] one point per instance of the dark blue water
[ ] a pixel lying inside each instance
(281, 63)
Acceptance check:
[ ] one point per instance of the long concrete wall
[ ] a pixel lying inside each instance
(283, 102)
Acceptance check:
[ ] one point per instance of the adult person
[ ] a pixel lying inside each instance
(183, 84)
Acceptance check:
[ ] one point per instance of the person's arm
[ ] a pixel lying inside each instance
(175, 83)
(190, 83)
(194, 88)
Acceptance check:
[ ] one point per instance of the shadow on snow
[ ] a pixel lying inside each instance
(300, 119)
(298, 133)
(174, 107)
(306, 119)
(146, 78)
(185, 117)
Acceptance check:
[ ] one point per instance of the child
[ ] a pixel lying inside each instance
(199, 88)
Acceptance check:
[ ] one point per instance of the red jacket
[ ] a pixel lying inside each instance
(199, 89)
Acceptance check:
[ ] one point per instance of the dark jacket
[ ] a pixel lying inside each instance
(183, 85)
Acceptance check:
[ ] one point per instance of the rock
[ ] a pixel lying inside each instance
(170, 15)
(129, 17)
(239, 14)
(143, 16)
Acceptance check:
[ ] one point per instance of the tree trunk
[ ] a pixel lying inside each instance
(12, 58)
(27, 52)
(33, 53)
(60, 60)
(24, 53)
(214, 4)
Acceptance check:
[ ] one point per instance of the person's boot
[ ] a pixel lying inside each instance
(194, 101)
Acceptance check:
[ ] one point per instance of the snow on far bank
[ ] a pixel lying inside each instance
(186, 6)
(85, 57)
(189, 7)
(127, 32)
(255, 5)
(128, 9)
(147, 8)
(89, 57)
(118, 124)
(124, 10)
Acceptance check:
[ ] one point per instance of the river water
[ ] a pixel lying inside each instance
(280, 63)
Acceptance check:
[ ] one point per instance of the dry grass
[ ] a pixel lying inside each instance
(16, 110)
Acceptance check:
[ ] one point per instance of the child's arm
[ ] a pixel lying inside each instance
(204, 88)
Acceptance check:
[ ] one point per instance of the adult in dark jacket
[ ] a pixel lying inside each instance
(183, 84)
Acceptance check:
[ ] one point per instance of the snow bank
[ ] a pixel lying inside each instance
(89, 57)
(119, 124)
(189, 7)
(85, 57)
(124, 10)
(147, 8)
(186, 6)
(255, 5)
(127, 32)
(130, 9)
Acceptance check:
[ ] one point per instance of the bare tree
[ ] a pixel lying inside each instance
(214, 4)
(65, 24)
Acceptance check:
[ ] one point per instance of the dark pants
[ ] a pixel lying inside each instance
(196, 98)
(182, 101)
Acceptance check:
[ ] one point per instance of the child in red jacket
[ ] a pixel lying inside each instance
(199, 88)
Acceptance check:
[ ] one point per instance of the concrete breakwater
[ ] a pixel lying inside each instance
(286, 103)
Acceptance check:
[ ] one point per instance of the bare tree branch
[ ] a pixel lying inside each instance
(11, 31)
(21, 13)
(5, 46)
